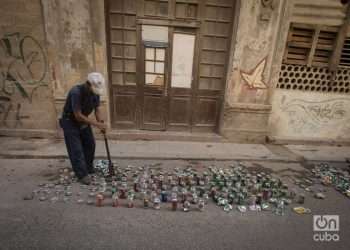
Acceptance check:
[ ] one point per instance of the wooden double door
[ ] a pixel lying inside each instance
(167, 81)
(166, 74)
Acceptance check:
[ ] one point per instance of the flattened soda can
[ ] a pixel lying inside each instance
(145, 203)
(115, 199)
(99, 199)
(174, 204)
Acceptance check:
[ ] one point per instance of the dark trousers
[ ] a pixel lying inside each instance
(80, 143)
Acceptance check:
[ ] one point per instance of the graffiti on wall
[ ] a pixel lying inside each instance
(254, 79)
(23, 67)
(310, 116)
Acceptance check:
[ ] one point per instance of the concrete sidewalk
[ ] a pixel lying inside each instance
(11, 147)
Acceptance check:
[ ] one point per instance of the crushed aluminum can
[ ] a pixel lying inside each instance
(99, 200)
(201, 205)
(42, 198)
(130, 201)
(280, 209)
(54, 199)
(227, 207)
(320, 196)
(115, 200)
(145, 202)
(156, 203)
(80, 201)
(265, 206)
(301, 210)
(174, 204)
(186, 206)
(68, 193)
(255, 208)
(242, 208)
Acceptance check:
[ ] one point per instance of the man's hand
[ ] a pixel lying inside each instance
(101, 126)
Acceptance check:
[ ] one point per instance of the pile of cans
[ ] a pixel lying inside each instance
(101, 167)
(330, 176)
(186, 189)
(189, 189)
(236, 186)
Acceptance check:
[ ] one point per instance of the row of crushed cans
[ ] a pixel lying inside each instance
(188, 188)
(336, 177)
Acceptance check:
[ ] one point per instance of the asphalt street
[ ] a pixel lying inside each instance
(44, 225)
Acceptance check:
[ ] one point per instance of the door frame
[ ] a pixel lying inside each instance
(140, 65)
(194, 83)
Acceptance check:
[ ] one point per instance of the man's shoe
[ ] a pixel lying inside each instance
(92, 171)
(85, 180)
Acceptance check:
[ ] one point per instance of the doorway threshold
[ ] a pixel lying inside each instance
(146, 135)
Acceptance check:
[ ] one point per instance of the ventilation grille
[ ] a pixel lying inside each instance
(297, 77)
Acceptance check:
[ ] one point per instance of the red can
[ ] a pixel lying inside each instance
(122, 193)
(99, 199)
(174, 204)
(130, 204)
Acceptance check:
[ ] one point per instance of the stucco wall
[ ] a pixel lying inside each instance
(75, 32)
(306, 115)
(303, 115)
(26, 100)
(247, 107)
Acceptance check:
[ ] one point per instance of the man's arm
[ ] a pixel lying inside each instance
(98, 114)
(82, 118)
(79, 116)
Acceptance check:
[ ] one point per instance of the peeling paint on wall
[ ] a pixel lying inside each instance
(23, 68)
(311, 115)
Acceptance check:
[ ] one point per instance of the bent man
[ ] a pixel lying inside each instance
(81, 101)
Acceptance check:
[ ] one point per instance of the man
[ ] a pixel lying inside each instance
(82, 99)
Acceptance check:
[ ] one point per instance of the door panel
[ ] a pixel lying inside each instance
(153, 113)
(181, 80)
(124, 108)
(180, 113)
(154, 87)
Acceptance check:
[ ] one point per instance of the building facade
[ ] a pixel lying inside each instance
(251, 71)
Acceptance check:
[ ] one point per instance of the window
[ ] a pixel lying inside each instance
(154, 66)
(182, 61)
(186, 10)
(310, 45)
(308, 55)
(155, 8)
(122, 20)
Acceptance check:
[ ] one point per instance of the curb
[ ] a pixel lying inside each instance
(43, 157)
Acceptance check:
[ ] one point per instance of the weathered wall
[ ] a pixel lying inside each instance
(26, 100)
(310, 116)
(247, 107)
(75, 34)
(305, 115)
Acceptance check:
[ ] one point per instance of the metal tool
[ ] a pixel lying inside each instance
(110, 163)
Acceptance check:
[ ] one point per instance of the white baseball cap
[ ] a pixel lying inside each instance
(97, 82)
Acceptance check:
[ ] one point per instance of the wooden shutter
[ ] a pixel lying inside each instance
(299, 43)
(345, 54)
(310, 45)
